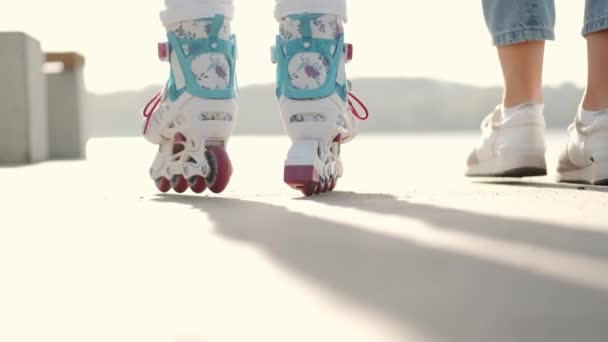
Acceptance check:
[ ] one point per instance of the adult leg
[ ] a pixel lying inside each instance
(596, 32)
(512, 143)
(522, 68)
(585, 159)
(519, 29)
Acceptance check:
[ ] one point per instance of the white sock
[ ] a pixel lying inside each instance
(586, 117)
(507, 112)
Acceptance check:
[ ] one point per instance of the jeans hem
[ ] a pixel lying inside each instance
(523, 35)
(595, 25)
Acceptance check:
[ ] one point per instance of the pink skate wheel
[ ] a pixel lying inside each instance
(333, 183)
(197, 184)
(302, 177)
(326, 185)
(320, 186)
(221, 168)
(162, 184)
(179, 184)
(310, 188)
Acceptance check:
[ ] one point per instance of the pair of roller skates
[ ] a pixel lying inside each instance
(193, 117)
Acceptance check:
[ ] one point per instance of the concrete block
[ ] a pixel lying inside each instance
(66, 96)
(23, 115)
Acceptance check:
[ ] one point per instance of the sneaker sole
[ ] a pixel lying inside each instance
(523, 172)
(515, 167)
(596, 174)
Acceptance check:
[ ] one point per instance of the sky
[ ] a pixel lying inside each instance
(444, 40)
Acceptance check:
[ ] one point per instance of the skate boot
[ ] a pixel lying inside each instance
(192, 118)
(314, 99)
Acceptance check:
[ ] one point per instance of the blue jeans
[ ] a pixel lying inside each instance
(516, 21)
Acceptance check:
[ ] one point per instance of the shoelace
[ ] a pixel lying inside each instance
(150, 108)
(354, 110)
(155, 101)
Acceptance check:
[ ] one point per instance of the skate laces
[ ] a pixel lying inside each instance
(150, 108)
(354, 110)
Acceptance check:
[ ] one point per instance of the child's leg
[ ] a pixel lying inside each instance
(585, 160)
(177, 11)
(286, 8)
(512, 143)
(312, 89)
(193, 117)
(596, 32)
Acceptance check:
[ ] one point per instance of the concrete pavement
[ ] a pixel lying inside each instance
(406, 250)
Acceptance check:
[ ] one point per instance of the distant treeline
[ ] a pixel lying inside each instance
(396, 105)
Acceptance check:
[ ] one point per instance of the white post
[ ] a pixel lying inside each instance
(23, 115)
(66, 96)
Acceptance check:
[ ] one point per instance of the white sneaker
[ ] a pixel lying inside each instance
(512, 144)
(585, 159)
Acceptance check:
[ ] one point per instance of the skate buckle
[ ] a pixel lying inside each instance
(163, 51)
(349, 52)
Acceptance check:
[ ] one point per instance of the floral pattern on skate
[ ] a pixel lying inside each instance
(199, 29)
(308, 70)
(211, 71)
(324, 27)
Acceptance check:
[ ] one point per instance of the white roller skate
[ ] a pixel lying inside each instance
(193, 117)
(313, 94)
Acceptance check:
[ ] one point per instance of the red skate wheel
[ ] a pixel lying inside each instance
(197, 184)
(320, 186)
(179, 184)
(310, 188)
(333, 183)
(326, 185)
(162, 184)
(221, 168)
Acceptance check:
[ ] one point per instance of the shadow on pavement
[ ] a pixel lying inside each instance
(445, 295)
(541, 185)
(558, 237)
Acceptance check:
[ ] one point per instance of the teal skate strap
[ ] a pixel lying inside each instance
(199, 47)
(331, 49)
